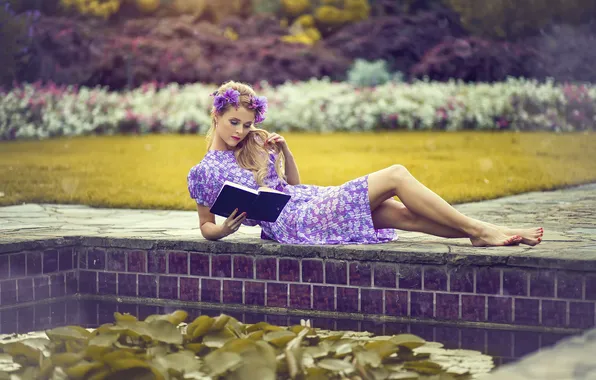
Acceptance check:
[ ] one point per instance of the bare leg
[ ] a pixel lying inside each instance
(393, 214)
(397, 180)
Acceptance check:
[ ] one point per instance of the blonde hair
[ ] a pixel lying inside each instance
(250, 153)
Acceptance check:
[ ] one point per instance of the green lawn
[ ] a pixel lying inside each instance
(150, 171)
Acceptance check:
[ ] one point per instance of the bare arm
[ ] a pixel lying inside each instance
(212, 231)
(291, 169)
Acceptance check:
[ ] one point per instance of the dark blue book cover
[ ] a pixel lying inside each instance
(261, 205)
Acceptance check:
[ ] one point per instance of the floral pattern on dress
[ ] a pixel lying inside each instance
(314, 215)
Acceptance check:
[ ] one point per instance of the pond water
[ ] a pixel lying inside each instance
(503, 345)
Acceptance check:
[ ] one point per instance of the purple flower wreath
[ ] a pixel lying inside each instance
(231, 96)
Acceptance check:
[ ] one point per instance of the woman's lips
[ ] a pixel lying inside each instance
(236, 138)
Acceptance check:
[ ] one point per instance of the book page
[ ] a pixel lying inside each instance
(269, 190)
(241, 187)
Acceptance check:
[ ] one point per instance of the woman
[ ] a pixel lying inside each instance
(360, 211)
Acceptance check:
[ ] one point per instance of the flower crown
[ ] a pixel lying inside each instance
(231, 96)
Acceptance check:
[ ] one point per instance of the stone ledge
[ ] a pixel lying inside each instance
(582, 258)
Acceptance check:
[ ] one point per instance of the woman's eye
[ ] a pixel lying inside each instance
(234, 122)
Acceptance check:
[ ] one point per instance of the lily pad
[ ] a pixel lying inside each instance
(336, 365)
(220, 362)
(407, 340)
(279, 338)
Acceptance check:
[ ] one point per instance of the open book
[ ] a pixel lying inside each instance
(262, 205)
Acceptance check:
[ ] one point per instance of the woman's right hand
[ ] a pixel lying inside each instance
(233, 222)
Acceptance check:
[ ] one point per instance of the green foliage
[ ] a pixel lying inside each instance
(371, 73)
(510, 19)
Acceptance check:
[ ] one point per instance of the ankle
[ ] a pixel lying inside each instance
(475, 229)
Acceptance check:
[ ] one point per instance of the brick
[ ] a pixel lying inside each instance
(371, 301)
(127, 284)
(106, 283)
(581, 315)
(300, 296)
(542, 283)
(87, 282)
(25, 292)
(116, 261)
(526, 311)
(232, 291)
(360, 274)
(266, 268)
(147, 285)
(435, 278)
(243, 267)
(336, 272)
(34, 265)
(4, 267)
(447, 306)
(472, 308)
(177, 262)
(50, 261)
(410, 276)
(42, 288)
(347, 300)
(396, 303)
(461, 279)
(189, 289)
(221, 266)
(157, 262)
(591, 287)
(72, 284)
(96, 259)
(312, 271)
(289, 270)
(210, 290)
(323, 298)
(515, 282)
(199, 264)
(384, 275)
(8, 293)
(66, 259)
(488, 280)
(254, 293)
(17, 265)
(421, 304)
(554, 313)
(277, 294)
(137, 261)
(500, 309)
(569, 285)
(168, 287)
(58, 285)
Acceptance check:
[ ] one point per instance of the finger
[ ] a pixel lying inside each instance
(239, 217)
(231, 217)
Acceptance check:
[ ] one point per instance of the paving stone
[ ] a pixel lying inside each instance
(567, 216)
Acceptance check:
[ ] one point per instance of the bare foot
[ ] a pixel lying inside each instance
(530, 236)
(492, 236)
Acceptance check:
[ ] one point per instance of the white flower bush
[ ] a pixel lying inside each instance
(33, 111)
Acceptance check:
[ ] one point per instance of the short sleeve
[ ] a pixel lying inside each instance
(200, 185)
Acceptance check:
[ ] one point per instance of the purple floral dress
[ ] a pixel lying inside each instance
(314, 214)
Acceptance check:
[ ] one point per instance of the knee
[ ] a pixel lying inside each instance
(405, 216)
(398, 173)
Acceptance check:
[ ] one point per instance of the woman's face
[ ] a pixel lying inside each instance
(233, 126)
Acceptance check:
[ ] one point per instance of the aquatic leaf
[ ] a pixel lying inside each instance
(336, 365)
(23, 354)
(317, 373)
(425, 367)
(124, 317)
(68, 333)
(342, 347)
(263, 326)
(368, 358)
(379, 373)
(279, 338)
(258, 362)
(294, 354)
(404, 376)
(104, 340)
(126, 363)
(66, 359)
(218, 339)
(384, 348)
(197, 348)
(319, 351)
(239, 345)
(220, 362)
(82, 368)
(165, 331)
(407, 340)
(175, 318)
(199, 327)
(220, 322)
(256, 335)
(181, 362)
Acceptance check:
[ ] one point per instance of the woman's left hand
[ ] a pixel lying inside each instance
(274, 138)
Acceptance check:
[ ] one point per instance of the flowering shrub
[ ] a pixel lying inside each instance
(35, 111)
